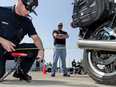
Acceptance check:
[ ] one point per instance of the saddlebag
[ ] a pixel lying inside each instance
(86, 12)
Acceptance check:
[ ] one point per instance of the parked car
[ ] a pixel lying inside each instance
(48, 68)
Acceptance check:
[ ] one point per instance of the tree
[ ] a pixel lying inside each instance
(49, 64)
(105, 69)
(82, 62)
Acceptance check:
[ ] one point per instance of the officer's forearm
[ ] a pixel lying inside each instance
(37, 41)
(1, 40)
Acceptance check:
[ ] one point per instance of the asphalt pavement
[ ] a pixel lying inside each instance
(45, 80)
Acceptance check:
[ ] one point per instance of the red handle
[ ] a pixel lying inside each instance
(19, 54)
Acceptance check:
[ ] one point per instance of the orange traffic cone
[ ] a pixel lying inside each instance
(44, 70)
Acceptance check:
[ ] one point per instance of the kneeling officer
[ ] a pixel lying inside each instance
(14, 25)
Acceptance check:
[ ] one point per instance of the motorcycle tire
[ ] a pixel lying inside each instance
(99, 75)
(95, 74)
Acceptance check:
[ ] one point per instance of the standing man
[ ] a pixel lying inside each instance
(59, 41)
(14, 25)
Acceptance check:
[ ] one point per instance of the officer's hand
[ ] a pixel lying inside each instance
(8, 45)
(40, 55)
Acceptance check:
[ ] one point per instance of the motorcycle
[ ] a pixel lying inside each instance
(79, 69)
(99, 44)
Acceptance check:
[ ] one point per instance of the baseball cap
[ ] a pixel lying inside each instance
(30, 5)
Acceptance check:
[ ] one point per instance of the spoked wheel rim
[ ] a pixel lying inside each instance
(95, 69)
(110, 68)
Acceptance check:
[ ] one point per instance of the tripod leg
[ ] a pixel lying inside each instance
(24, 76)
(7, 74)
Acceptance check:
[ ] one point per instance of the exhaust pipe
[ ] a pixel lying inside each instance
(97, 44)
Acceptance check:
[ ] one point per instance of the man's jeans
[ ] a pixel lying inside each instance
(74, 69)
(62, 54)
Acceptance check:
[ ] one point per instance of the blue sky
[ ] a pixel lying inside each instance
(50, 12)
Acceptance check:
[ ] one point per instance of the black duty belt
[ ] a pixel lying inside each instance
(61, 44)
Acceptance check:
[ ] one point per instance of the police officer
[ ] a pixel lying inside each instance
(14, 25)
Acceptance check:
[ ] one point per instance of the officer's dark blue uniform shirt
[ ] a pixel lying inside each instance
(14, 27)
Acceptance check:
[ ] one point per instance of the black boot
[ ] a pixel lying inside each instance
(66, 75)
(53, 75)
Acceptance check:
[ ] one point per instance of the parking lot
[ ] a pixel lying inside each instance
(45, 80)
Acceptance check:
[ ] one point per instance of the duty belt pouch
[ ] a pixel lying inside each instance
(85, 12)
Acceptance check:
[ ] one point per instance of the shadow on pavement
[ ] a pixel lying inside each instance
(42, 83)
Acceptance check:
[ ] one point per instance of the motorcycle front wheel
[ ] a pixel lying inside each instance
(83, 71)
(101, 73)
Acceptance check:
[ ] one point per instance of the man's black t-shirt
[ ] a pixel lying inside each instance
(59, 41)
(8, 25)
(73, 63)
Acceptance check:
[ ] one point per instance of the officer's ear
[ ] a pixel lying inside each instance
(19, 1)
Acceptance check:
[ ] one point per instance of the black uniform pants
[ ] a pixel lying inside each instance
(25, 65)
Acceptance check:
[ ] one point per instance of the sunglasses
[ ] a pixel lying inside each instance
(59, 25)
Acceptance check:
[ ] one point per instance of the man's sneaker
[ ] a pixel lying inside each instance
(66, 75)
(53, 75)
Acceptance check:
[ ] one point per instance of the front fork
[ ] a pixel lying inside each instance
(109, 32)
